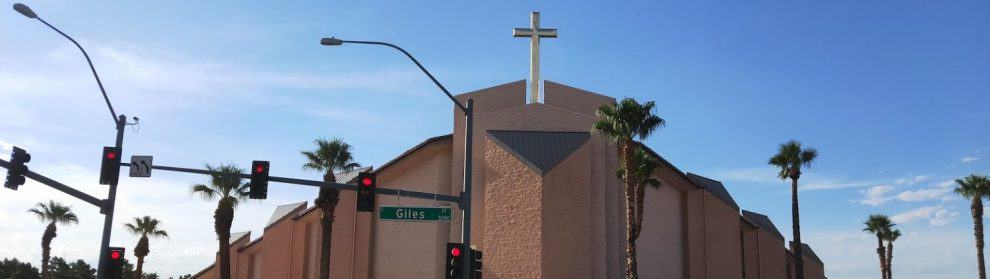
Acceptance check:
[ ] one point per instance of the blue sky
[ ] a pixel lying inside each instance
(892, 93)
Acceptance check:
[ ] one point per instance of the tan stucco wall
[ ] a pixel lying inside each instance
(567, 235)
(410, 249)
(661, 243)
(723, 239)
(513, 233)
(772, 256)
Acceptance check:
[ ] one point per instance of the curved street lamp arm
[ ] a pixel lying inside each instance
(113, 114)
(451, 96)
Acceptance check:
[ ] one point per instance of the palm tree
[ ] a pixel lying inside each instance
(879, 225)
(621, 123)
(225, 186)
(891, 236)
(52, 213)
(789, 159)
(330, 156)
(975, 187)
(144, 226)
(644, 164)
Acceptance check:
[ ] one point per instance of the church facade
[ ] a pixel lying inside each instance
(547, 204)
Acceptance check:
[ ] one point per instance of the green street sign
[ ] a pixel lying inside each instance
(414, 213)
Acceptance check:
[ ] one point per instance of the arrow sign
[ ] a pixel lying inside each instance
(141, 166)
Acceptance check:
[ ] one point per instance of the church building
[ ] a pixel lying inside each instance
(546, 204)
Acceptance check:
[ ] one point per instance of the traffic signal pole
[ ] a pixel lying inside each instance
(465, 201)
(109, 203)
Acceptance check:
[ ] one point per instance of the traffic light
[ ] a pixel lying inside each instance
(454, 256)
(110, 170)
(259, 180)
(366, 192)
(477, 263)
(114, 262)
(15, 174)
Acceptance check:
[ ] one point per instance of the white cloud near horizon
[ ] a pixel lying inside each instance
(936, 215)
(968, 159)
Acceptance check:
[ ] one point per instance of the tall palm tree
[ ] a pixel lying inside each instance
(879, 225)
(225, 186)
(976, 187)
(790, 158)
(622, 123)
(642, 174)
(330, 156)
(51, 213)
(891, 236)
(144, 226)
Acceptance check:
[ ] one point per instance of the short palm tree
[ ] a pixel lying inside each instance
(225, 186)
(51, 213)
(879, 225)
(644, 165)
(622, 123)
(891, 236)
(790, 158)
(330, 156)
(975, 188)
(145, 227)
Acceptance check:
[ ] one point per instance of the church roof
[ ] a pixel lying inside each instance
(284, 210)
(414, 149)
(715, 187)
(667, 163)
(539, 150)
(805, 249)
(763, 222)
(234, 237)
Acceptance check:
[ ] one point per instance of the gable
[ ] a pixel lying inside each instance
(541, 151)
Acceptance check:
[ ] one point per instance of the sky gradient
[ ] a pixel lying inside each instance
(893, 94)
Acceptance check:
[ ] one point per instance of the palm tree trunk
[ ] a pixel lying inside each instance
(890, 259)
(627, 158)
(138, 273)
(327, 202)
(796, 219)
(881, 254)
(223, 217)
(977, 208)
(46, 249)
(640, 196)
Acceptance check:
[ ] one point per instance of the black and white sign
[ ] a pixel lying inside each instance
(141, 166)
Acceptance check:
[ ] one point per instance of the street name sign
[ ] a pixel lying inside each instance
(140, 166)
(414, 213)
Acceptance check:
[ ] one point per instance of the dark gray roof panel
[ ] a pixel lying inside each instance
(763, 222)
(714, 187)
(541, 151)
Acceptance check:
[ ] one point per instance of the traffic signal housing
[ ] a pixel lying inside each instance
(15, 173)
(110, 169)
(366, 192)
(114, 262)
(453, 263)
(476, 257)
(259, 180)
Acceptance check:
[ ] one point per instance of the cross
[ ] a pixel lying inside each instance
(534, 33)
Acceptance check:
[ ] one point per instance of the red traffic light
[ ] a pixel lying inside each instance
(456, 252)
(366, 181)
(259, 168)
(115, 255)
(111, 155)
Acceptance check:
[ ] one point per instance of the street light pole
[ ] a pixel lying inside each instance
(467, 265)
(119, 122)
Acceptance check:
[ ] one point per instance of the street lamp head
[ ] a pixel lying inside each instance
(25, 10)
(331, 41)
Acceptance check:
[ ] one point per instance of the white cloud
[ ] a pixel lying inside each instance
(913, 179)
(923, 194)
(876, 195)
(936, 215)
(969, 159)
(942, 253)
(809, 180)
